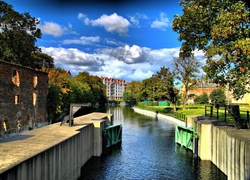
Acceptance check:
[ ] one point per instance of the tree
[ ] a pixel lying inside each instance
(221, 29)
(132, 93)
(18, 35)
(96, 86)
(202, 99)
(149, 88)
(185, 70)
(218, 96)
(167, 90)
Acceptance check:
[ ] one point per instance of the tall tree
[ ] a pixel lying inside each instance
(221, 29)
(167, 89)
(18, 35)
(186, 70)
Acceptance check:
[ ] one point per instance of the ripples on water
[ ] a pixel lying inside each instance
(148, 151)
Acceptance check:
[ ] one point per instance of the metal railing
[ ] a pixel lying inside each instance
(223, 113)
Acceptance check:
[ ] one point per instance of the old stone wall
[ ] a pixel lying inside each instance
(23, 97)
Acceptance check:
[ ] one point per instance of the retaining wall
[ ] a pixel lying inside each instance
(227, 147)
(61, 161)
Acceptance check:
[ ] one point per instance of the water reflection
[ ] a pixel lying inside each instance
(148, 151)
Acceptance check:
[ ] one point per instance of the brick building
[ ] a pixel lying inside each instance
(23, 97)
(114, 88)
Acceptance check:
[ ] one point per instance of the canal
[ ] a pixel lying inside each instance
(147, 151)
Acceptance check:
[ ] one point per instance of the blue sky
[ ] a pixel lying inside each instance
(121, 39)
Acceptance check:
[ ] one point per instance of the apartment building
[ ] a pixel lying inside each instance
(114, 88)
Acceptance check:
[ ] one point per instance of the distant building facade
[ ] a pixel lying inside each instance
(202, 87)
(23, 97)
(114, 88)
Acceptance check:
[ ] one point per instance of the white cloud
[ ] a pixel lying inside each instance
(161, 23)
(127, 62)
(82, 40)
(52, 28)
(129, 55)
(111, 23)
(135, 20)
(80, 15)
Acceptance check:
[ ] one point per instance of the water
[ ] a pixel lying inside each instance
(148, 151)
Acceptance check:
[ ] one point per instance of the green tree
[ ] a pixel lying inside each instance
(96, 86)
(166, 89)
(132, 93)
(218, 96)
(18, 35)
(221, 29)
(186, 70)
(149, 89)
(202, 99)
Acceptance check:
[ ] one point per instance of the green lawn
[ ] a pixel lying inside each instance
(196, 110)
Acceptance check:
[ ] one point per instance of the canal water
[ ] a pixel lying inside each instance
(148, 151)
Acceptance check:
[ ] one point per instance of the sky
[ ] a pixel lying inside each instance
(124, 39)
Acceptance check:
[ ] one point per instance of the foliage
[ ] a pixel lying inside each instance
(221, 29)
(218, 96)
(185, 70)
(18, 35)
(64, 90)
(96, 87)
(202, 99)
(167, 89)
(132, 93)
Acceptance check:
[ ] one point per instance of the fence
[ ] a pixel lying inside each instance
(223, 113)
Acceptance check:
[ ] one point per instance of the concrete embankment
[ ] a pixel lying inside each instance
(52, 152)
(154, 114)
(227, 147)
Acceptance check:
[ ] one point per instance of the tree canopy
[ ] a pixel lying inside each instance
(221, 29)
(18, 35)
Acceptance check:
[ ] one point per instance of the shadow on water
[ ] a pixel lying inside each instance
(147, 151)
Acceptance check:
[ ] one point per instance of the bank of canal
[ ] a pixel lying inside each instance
(148, 151)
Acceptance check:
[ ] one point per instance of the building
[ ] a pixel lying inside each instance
(23, 97)
(114, 88)
(200, 88)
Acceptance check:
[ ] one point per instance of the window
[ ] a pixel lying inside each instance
(16, 99)
(35, 81)
(15, 77)
(34, 99)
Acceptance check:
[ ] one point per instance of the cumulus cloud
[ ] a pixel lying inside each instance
(127, 62)
(74, 58)
(129, 55)
(111, 23)
(161, 23)
(82, 40)
(51, 28)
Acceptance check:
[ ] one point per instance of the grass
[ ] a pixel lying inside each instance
(196, 110)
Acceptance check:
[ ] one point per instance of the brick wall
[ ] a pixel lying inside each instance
(23, 96)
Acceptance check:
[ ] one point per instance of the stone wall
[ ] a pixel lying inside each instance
(23, 97)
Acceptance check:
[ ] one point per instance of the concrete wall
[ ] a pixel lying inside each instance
(227, 147)
(61, 161)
